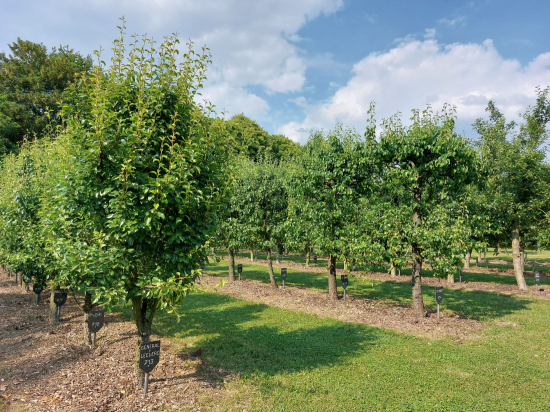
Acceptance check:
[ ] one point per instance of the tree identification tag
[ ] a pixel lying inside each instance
(149, 355)
(96, 319)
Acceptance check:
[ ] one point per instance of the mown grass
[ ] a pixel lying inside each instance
(290, 361)
(541, 256)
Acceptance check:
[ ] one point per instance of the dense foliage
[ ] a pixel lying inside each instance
(32, 81)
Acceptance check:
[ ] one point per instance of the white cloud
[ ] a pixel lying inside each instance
(452, 23)
(252, 42)
(419, 72)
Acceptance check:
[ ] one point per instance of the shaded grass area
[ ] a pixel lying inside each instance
(298, 362)
(478, 305)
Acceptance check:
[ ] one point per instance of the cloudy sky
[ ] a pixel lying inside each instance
(298, 65)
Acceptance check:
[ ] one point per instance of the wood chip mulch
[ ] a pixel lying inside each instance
(45, 367)
(355, 310)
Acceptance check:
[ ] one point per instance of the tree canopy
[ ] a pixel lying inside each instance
(32, 81)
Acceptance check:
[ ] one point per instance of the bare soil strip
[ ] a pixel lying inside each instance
(543, 293)
(47, 367)
(355, 310)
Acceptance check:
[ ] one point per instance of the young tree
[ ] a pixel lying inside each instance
(428, 165)
(516, 165)
(140, 195)
(262, 201)
(335, 171)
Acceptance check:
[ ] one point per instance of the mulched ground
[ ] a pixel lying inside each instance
(543, 293)
(46, 367)
(355, 310)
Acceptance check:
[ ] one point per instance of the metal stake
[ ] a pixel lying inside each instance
(37, 298)
(344, 295)
(16, 279)
(283, 283)
(58, 313)
(146, 384)
(93, 342)
(460, 275)
(438, 311)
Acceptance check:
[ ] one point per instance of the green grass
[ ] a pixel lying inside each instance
(290, 361)
(471, 304)
(540, 256)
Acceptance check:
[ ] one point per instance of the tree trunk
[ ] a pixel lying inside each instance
(278, 254)
(346, 269)
(231, 265)
(516, 256)
(270, 266)
(523, 258)
(86, 309)
(393, 271)
(418, 301)
(20, 279)
(25, 285)
(308, 256)
(332, 288)
(252, 255)
(53, 306)
(484, 256)
(144, 311)
(451, 278)
(467, 259)
(498, 248)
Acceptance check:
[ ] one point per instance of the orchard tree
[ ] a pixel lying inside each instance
(515, 160)
(428, 166)
(336, 170)
(145, 180)
(262, 200)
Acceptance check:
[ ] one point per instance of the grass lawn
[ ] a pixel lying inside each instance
(290, 361)
(541, 256)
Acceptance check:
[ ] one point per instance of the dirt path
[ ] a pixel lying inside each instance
(355, 310)
(46, 367)
(543, 293)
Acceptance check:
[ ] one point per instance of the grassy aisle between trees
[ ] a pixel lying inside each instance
(539, 257)
(479, 305)
(292, 361)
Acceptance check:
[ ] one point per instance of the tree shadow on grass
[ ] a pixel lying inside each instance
(253, 338)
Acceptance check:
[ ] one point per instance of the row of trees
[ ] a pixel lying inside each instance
(420, 189)
(133, 181)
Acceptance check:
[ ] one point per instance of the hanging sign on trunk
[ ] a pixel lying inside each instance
(60, 297)
(96, 319)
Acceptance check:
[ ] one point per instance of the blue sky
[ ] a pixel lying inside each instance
(294, 65)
